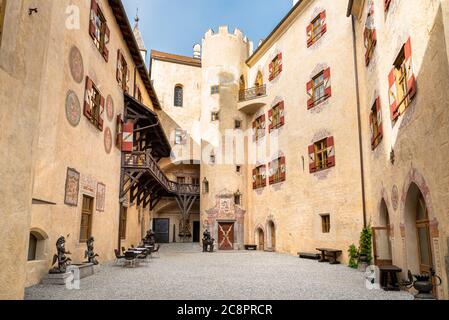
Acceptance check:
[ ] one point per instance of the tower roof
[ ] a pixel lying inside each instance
(137, 34)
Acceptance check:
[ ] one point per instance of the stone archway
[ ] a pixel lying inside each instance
(259, 238)
(382, 237)
(271, 235)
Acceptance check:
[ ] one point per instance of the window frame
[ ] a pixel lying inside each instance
(89, 212)
(315, 87)
(260, 182)
(178, 99)
(182, 135)
(215, 89)
(2, 18)
(215, 116)
(325, 223)
(259, 128)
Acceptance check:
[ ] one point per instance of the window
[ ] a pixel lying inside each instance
(215, 90)
(2, 17)
(212, 158)
(237, 124)
(326, 223)
(123, 220)
(179, 96)
(242, 83)
(376, 124)
(122, 72)
(259, 177)
(238, 169)
(180, 137)
(276, 66)
(205, 186)
(99, 30)
(319, 89)
(93, 104)
(86, 218)
(370, 35)
(322, 155)
(237, 198)
(259, 79)
(402, 83)
(259, 128)
(119, 131)
(316, 29)
(32, 247)
(181, 180)
(277, 170)
(139, 95)
(215, 116)
(276, 116)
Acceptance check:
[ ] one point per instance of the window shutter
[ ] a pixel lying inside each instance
(270, 120)
(263, 120)
(100, 119)
(310, 102)
(281, 113)
(93, 15)
(254, 131)
(387, 4)
(271, 71)
(254, 178)
(119, 66)
(119, 131)
(323, 22)
(309, 35)
(107, 34)
(394, 107)
(330, 152)
(411, 82)
(327, 83)
(88, 98)
(127, 79)
(128, 137)
(312, 162)
(280, 62)
(379, 118)
(283, 168)
(371, 125)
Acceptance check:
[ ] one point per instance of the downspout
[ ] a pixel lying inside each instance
(359, 122)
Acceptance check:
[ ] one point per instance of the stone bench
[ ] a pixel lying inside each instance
(308, 255)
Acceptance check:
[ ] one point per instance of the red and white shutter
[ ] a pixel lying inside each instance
(271, 173)
(255, 178)
(379, 118)
(371, 126)
(312, 161)
(263, 173)
(309, 35)
(387, 4)
(281, 113)
(88, 98)
(119, 131)
(128, 137)
(323, 22)
(393, 96)
(93, 16)
(128, 76)
(107, 34)
(270, 120)
(330, 152)
(263, 124)
(271, 71)
(100, 119)
(310, 101)
(283, 169)
(411, 82)
(279, 62)
(327, 83)
(119, 67)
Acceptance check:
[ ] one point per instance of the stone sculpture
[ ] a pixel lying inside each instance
(208, 242)
(60, 257)
(89, 253)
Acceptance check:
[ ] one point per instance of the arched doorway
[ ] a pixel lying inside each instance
(242, 84)
(259, 79)
(260, 239)
(417, 232)
(272, 235)
(381, 238)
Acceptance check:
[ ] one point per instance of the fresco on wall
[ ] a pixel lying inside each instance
(72, 108)
(101, 196)
(76, 64)
(109, 108)
(72, 187)
(107, 140)
(88, 185)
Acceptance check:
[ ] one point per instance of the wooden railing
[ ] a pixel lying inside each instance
(252, 93)
(144, 160)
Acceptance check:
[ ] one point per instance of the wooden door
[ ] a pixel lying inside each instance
(226, 236)
(382, 246)
(161, 230)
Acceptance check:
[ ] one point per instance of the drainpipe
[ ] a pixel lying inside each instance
(359, 122)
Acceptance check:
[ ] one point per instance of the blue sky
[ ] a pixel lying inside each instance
(176, 25)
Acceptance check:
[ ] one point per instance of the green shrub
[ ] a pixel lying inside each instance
(353, 256)
(366, 244)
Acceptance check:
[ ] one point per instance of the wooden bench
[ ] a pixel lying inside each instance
(389, 278)
(332, 254)
(310, 256)
(251, 247)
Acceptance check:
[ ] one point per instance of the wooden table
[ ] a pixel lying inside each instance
(329, 253)
(389, 277)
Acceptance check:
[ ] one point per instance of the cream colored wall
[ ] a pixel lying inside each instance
(295, 205)
(420, 138)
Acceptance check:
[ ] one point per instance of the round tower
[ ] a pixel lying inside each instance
(223, 170)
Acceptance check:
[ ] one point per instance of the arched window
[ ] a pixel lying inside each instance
(178, 96)
(36, 245)
(32, 247)
(259, 79)
(242, 85)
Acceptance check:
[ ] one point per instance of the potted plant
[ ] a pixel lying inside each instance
(353, 256)
(365, 248)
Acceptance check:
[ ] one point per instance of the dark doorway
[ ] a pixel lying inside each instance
(161, 230)
(196, 231)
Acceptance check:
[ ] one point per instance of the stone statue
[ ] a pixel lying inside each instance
(208, 242)
(150, 238)
(89, 253)
(60, 257)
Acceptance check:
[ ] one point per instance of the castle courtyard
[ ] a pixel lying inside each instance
(183, 272)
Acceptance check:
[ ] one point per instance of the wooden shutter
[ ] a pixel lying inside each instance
(330, 152)
(119, 132)
(394, 106)
(310, 102)
(283, 169)
(119, 67)
(88, 98)
(309, 35)
(270, 120)
(327, 83)
(107, 34)
(379, 118)
(271, 71)
(93, 15)
(100, 119)
(312, 162)
(387, 4)
(279, 62)
(281, 113)
(323, 22)
(411, 82)
(128, 137)
(254, 130)
(255, 178)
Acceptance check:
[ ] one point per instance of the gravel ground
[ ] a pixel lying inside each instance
(183, 272)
